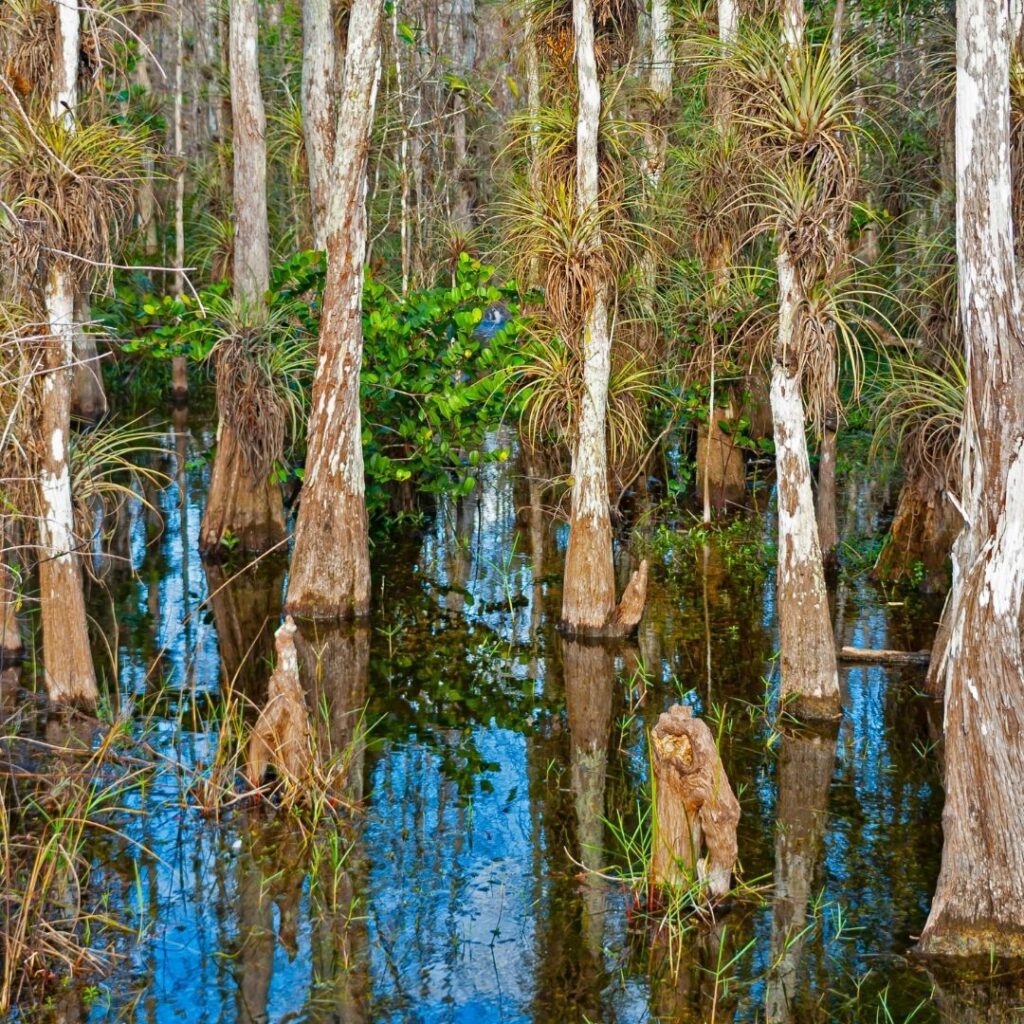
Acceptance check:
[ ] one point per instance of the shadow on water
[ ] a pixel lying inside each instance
(488, 756)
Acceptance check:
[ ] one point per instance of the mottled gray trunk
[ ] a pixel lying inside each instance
(979, 898)
(249, 123)
(588, 592)
(330, 573)
(320, 80)
(807, 656)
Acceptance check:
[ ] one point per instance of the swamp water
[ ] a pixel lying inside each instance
(500, 771)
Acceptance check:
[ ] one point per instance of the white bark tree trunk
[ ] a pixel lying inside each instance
(807, 657)
(320, 78)
(659, 83)
(728, 20)
(330, 570)
(146, 208)
(979, 898)
(588, 592)
(793, 24)
(67, 659)
(252, 231)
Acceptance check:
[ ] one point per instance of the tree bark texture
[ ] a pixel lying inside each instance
(330, 574)
(807, 657)
(146, 204)
(242, 513)
(463, 26)
(728, 20)
(334, 666)
(695, 808)
(923, 530)
(67, 659)
(88, 396)
(978, 906)
(721, 471)
(827, 519)
(588, 592)
(249, 145)
(281, 737)
(320, 81)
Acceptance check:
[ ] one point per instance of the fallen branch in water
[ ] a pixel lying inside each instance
(868, 656)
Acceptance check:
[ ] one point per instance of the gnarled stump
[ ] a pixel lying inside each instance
(695, 806)
(626, 616)
(280, 738)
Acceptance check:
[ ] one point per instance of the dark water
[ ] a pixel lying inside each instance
(493, 758)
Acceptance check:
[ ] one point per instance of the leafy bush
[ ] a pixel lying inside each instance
(435, 386)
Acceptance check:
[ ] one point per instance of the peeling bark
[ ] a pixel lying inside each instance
(281, 737)
(807, 657)
(978, 906)
(249, 146)
(923, 530)
(695, 806)
(67, 659)
(330, 574)
(237, 506)
(320, 81)
(588, 592)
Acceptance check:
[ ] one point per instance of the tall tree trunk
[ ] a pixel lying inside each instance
(242, 513)
(588, 592)
(979, 897)
(330, 573)
(728, 20)
(249, 122)
(807, 656)
(179, 366)
(659, 84)
(464, 29)
(923, 531)
(88, 396)
(239, 505)
(146, 200)
(721, 472)
(828, 527)
(320, 75)
(67, 659)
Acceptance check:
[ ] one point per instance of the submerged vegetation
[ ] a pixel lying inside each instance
(478, 482)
